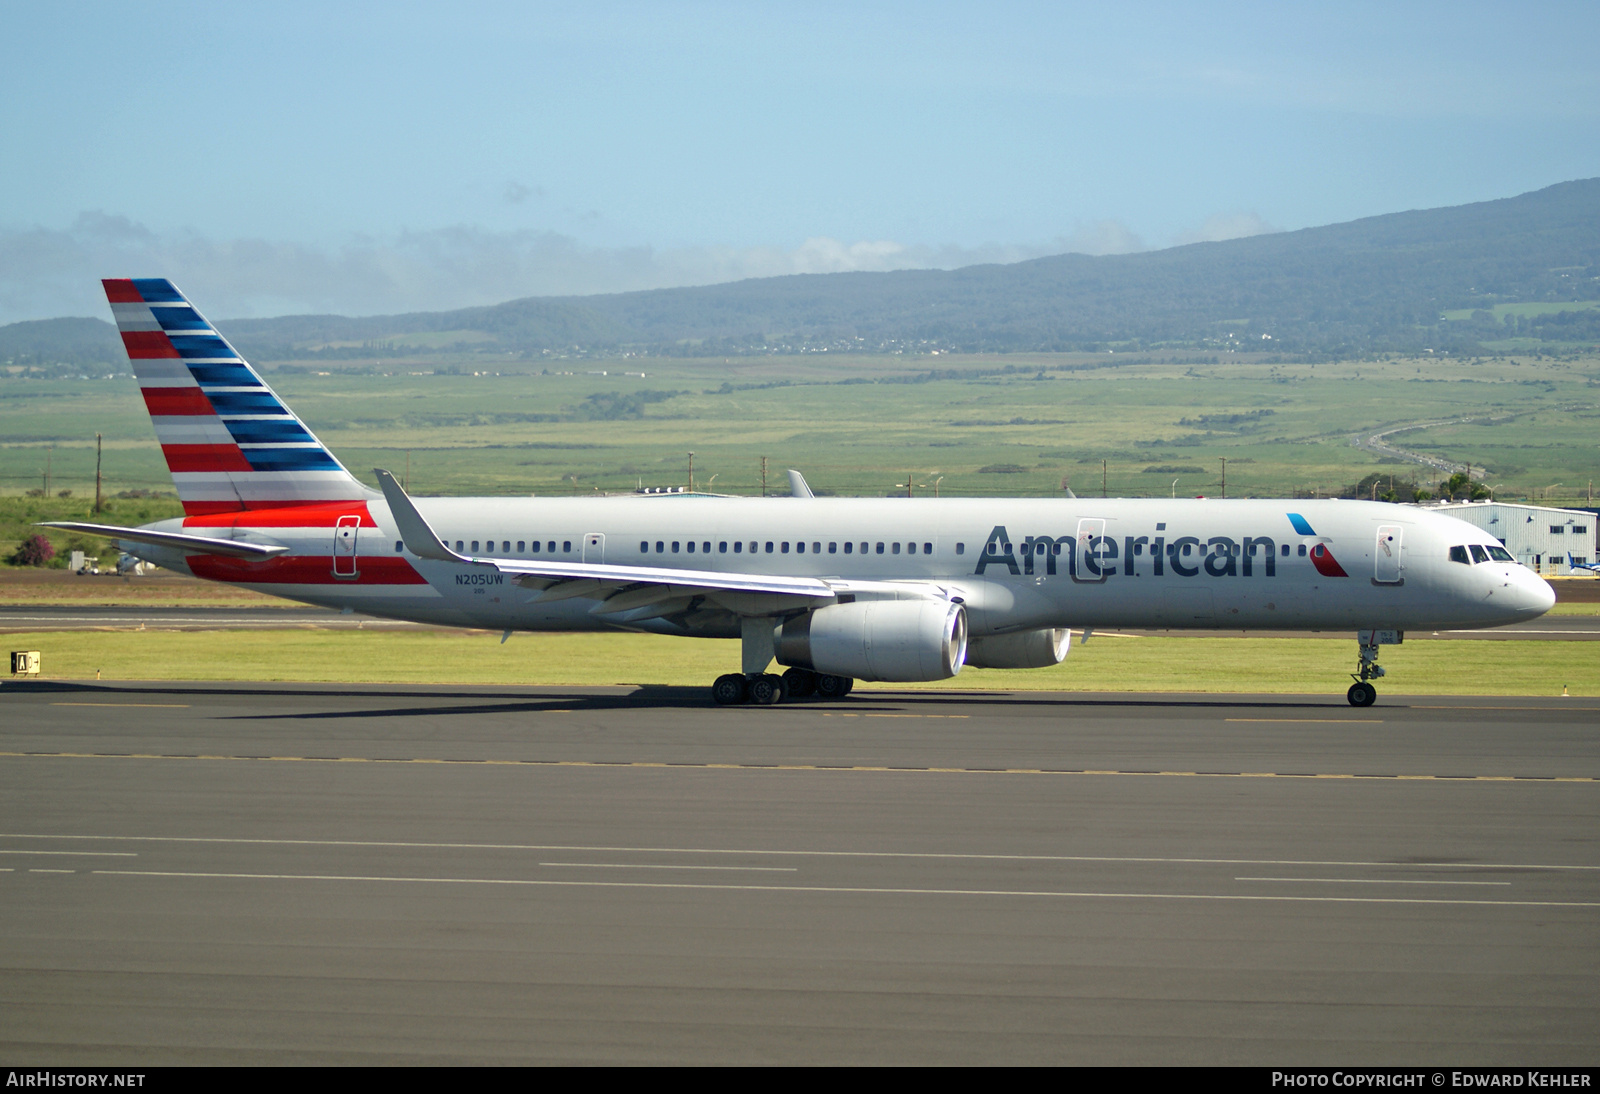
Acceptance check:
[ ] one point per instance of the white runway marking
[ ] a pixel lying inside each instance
(662, 866)
(863, 890)
(417, 844)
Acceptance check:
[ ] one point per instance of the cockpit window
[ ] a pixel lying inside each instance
(1500, 554)
(1459, 554)
(1478, 553)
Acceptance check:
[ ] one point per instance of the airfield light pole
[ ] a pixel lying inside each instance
(691, 472)
(1174, 489)
(940, 479)
(98, 502)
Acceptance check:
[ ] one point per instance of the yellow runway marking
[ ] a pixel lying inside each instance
(858, 768)
(185, 705)
(1338, 721)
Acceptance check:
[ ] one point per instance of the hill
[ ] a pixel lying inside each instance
(1522, 268)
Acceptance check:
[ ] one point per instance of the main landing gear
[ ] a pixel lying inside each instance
(765, 688)
(1361, 693)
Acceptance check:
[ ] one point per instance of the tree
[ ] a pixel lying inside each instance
(34, 551)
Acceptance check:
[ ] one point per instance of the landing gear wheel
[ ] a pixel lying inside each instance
(729, 690)
(766, 689)
(1362, 694)
(833, 687)
(800, 683)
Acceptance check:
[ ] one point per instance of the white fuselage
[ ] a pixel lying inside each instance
(1017, 564)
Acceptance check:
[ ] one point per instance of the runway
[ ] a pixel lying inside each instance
(13, 618)
(263, 873)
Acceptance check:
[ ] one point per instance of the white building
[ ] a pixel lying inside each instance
(1537, 536)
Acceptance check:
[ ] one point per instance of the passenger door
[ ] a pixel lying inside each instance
(1386, 564)
(344, 547)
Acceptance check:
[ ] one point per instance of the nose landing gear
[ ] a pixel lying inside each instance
(1361, 693)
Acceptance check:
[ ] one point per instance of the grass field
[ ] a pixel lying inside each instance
(975, 426)
(1107, 663)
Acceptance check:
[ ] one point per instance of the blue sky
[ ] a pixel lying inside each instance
(374, 158)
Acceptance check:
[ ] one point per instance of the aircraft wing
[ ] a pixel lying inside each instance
(194, 545)
(622, 588)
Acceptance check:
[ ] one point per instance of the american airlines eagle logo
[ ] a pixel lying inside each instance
(1321, 557)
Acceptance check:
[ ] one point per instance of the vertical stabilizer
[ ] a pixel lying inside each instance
(230, 442)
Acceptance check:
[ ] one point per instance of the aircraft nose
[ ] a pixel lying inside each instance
(1532, 595)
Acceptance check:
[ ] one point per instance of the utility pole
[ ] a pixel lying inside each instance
(47, 454)
(1224, 460)
(691, 472)
(405, 483)
(98, 497)
(1104, 492)
(910, 486)
(763, 476)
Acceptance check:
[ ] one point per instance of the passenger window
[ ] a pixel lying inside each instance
(1479, 554)
(848, 547)
(961, 548)
(691, 546)
(505, 547)
(754, 545)
(864, 548)
(769, 546)
(566, 545)
(705, 548)
(738, 546)
(675, 546)
(1459, 554)
(399, 546)
(644, 547)
(833, 547)
(895, 548)
(722, 547)
(1285, 550)
(816, 548)
(1302, 550)
(800, 548)
(521, 546)
(535, 546)
(1187, 547)
(785, 547)
(474, 546)
(458, 546)
(927, 548)
(880, 548)
(661, 548)
(552, 546)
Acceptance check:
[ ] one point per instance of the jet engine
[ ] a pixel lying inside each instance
(892, 640)
(1023, 650)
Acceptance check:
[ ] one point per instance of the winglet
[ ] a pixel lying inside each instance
(797, 485)
(419, 539)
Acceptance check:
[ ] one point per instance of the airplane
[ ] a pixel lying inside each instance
(834, 589)
(1574, 564)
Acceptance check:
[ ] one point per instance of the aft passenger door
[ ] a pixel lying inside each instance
(344, 547)
(1386, 564)
(594, 547)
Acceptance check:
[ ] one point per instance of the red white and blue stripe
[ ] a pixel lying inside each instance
(230, 442)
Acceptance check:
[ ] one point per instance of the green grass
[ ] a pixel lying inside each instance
(1525, 310)
(1255, 665)
(523, 431)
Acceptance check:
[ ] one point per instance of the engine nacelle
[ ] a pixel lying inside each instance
(892, 640)
(1023, 650)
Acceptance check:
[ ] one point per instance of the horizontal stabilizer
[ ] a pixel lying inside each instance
(195, 545)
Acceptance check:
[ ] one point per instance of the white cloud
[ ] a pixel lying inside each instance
(1220, 226)
(49, 272)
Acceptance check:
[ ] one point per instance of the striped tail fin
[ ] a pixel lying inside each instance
(230, 442)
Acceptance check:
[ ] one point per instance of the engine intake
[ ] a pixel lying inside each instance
(891, 640)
